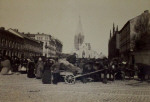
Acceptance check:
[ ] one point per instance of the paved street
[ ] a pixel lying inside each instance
(19, 88)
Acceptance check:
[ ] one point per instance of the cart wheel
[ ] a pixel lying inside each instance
(69, 79)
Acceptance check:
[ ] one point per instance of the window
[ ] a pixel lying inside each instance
(9, 44)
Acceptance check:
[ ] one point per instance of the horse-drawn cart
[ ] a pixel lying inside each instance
(70, 78)
(70, 72)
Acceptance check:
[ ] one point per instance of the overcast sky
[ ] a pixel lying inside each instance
(60, 18)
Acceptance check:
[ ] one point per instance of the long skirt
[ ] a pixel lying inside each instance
(30, 73)
(39, 73)
(46, 79)
(56, 77)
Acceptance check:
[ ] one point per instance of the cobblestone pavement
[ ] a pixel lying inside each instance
(19, 88)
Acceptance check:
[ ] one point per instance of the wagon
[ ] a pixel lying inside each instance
(70, 72)
(70, 78)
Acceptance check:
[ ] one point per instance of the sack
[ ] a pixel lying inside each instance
(10, 72)
(6, 71)
(22, 69)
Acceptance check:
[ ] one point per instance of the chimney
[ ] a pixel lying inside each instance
(146, 11)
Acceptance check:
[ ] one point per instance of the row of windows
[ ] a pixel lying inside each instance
(32, 48)
(10, 44)
(19, 46)
(42, 38)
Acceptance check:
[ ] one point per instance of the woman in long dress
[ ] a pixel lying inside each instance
(39, 68)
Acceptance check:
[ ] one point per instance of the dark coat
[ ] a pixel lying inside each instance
(31, 67)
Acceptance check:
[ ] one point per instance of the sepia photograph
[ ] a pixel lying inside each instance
(74, 50)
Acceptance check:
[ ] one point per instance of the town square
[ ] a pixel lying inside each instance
(74, 51)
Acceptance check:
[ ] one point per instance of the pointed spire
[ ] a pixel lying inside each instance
(79, 37)
(113, 28)
(80, 26)
(110, 33)
(117, 28)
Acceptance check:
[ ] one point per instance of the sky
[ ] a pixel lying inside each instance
(60, 18)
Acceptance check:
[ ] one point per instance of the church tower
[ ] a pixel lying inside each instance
(79, 37)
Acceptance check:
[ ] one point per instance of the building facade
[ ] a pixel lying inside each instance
(51, 47)
(127, 51)
(58, 47)
(13, 43)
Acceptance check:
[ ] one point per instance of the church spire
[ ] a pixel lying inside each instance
(79, 37)
(80, 26)
(113, 28)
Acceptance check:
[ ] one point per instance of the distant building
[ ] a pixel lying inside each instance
(78, 40)
(84, 51)
(113, 45)
(13, 43)
(81, 48)
(59, 46)
(51, 47)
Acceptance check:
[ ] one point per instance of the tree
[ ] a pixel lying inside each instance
(142, 25)
(142, 28)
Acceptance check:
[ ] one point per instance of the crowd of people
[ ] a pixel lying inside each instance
(39, 68)
(48, 69)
